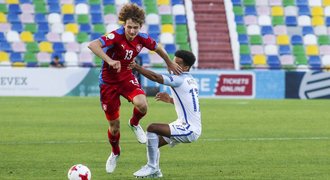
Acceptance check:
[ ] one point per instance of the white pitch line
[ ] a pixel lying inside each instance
(202, 139)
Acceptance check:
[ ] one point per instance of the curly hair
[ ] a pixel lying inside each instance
(132, 11)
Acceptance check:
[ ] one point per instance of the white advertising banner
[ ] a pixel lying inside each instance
(40, 81)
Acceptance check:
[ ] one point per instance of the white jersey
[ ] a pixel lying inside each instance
(184, 91)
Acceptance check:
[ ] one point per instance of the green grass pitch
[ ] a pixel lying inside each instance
(41, 138)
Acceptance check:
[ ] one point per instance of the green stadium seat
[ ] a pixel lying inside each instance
(255, 40)
(324, 40)
(277, 20)
(30, 59)
(166, 19)
(241, 29)
(99, 28)
(109, 9)
(40, 8)
(82, 37)
(32, 47)
(83, 19)
(298, 50)
(3, 8)
(244, 49)
(289, 3)
(249, 2)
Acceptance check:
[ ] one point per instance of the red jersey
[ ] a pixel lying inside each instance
(118, 48)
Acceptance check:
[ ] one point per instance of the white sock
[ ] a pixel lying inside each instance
(152, 149)
(158, 157)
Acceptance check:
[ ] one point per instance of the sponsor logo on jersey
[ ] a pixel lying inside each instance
(110, 36)
(138, 47)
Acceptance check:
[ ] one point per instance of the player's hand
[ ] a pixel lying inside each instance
(163, 96)
(175, 68)
(115, 65)
(131, 65)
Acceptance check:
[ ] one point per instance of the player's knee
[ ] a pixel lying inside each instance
(152, 128)
(142, 107)
(114, 127)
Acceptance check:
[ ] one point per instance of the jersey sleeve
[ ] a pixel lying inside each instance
(108, 39)
(172, 80)
(148, 42)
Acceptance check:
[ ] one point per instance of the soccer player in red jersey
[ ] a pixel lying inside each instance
(118, 49)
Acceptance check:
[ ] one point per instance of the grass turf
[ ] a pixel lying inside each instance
(41, 138)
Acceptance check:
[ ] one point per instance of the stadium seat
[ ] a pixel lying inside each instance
(277, 11)
(318, 21)
(27, 36)
(82, 37)
(57, 28)
(71, 59)
(40, 8)
(99, 28)
(39, 36)
(312, 50)
(85, 28)
(40, 18)
(67, 37)
(244, 49)
(291, 11)
(264, 20)
(153, 28)
(166, 38)
(267, 30)
(280, 30)
(82, 8)
(314, 62)
(271, 50)
(327, 10)
(43, 58)
(284, 50)
(304, 20)
(243, 39)
(178, 9)
(255, 40)
(287, 60)
(110, 18)
(325, 50)
(250, 20)
(4, 56)
(14, 8)
(19, 47)
(180, 19)
(257, 49)
(43, 27)
(96, 19)
(324, 40)
(245, 60)
(164, 9)
(95, 35)
(291, 21)
(3, 18)
(31, 27)
(27, 18)
(167, 28)
(72, 47)
(283, 40)
(303, 10)
(296, 40)
(32, 47)
(273, 62)
(54, 8)
(13, 18)
(239, 20)
(326, 61)
(2, 37)
(299, 50)
(18, 27)
(302, 2)
(235, 2)
(112, 27)
(46, 47)
(166, 19)
(170, 48)
(84, 47)
(320, 30)
(54, 18)
(315, 2)
(68, 18)
(307, 30)
(67, 9)
(30, 59)
(250, 10)
(253, 30)
(58, 47)
(27, 8)
(259, 60)
(72, 27)
(310, 39)
(12, 36)
(16, 57)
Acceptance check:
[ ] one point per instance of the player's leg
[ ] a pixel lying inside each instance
(154, 141)
(132, 91)
(110, 104)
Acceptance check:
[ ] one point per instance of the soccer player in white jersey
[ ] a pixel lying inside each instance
(188, 127)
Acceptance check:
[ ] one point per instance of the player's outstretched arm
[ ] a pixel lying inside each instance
(163, 96)
(175, 68)
(147, 73)
(96, 47)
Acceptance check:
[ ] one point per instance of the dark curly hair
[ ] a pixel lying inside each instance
(187, 57)
(132, 11)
